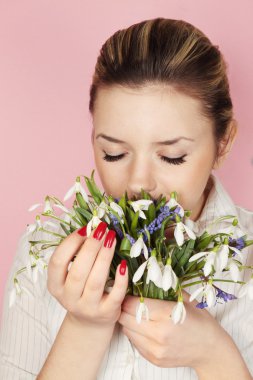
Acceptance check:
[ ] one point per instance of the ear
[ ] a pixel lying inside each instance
(226, 144)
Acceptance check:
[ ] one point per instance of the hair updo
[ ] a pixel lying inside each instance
(169, 52)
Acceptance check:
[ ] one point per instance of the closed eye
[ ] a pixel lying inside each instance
(172, 161)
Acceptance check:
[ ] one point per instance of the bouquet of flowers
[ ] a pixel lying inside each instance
(159, 266)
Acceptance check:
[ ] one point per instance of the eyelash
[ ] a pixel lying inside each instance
(173, 161)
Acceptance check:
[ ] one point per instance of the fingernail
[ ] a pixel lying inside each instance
(82, 231)
(109, 239)
(122, 268)
(100, 231)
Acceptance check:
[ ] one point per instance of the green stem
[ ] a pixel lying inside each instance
(218, 280)
(51, 232)
(56, 217)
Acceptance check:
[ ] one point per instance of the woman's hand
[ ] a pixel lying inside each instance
(80, 289)
(165, 344)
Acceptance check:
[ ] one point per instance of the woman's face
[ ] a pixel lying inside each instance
(153, 138)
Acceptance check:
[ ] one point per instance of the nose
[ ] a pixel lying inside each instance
(140, 177)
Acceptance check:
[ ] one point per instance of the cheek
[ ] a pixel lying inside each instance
(191, 180)
(112, 179)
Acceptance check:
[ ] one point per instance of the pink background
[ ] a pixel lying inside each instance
(48, 50)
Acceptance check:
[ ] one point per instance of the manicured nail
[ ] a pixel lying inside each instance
(109, 239)
(82, 231)
(122, 268)
(100, 231)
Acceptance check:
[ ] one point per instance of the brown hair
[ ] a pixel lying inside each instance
(172, 52)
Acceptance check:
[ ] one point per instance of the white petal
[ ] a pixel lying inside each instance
(223, 257)
(136, 248)
(234, 271)
(196, 293)
(139, 311)
(167, 278)
(33, 207)
(145, 250)
(189, 232)
(197, 256)
(117, 208)
(174, 280)
(178, 233)
(239, 253)
(89, 227)
(138, 274)
(210, 295)
(177, 312)
(155, 272)
(183, 314)
(69, 193)
(142, 215)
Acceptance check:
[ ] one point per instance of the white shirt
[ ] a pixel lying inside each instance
(29, 328)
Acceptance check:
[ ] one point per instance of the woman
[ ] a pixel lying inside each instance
(162, 121)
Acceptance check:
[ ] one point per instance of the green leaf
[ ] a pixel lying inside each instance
(125, 245)
(67, 232)
(122, 203)
(134, 225)
(81, 201)
(151, 212)
(93, 189)
(161, 202)
(86, 214)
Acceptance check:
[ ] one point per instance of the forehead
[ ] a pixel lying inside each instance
(153, 108)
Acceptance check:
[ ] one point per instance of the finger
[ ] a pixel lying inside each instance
(158, 309)
(60, 259)
(80, 269)
(146, 328)
(119, 289)
(95, 284)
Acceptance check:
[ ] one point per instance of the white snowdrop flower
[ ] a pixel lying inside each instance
(63, 208)
(142, 310)
(178, 313)
(172, 203)
(16, 291)
(76, 188)
(40, 267)
(179, 233)
(208, 291)
(137, 247)
(33, 207)
(169, 278)
(141, 204)
(246, 289)
(118, 210)
(102, 209)
(34, 226)
(233, 270)
(154, 272)
(221, 258)
(93, 223)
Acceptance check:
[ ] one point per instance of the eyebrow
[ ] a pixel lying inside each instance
(167, 142)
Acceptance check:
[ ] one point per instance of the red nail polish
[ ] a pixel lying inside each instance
(82, 231)
(109, 239)
(122, 268)
(100, 231)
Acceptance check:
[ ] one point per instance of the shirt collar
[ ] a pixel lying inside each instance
(218, 203)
